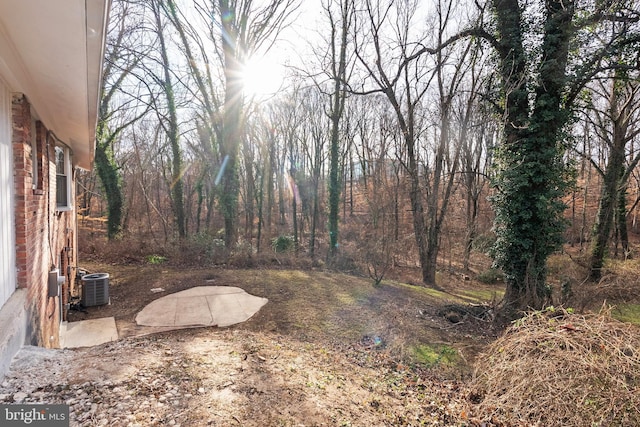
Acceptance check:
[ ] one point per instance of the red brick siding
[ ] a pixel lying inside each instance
(41, 144)
(42, 233)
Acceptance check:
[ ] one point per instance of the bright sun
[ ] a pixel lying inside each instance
(262, 77)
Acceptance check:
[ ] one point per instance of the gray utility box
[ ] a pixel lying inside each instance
(95, 289)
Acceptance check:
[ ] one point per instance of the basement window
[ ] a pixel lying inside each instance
(63, 178)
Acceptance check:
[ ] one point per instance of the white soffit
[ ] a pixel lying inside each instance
(51, 50)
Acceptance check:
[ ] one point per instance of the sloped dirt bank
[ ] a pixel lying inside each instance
(212, 377)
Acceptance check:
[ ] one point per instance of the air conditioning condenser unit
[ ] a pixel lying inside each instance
(95, 289)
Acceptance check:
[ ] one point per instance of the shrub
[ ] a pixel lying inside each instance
(210, 247)
(242, 255)
(490, 276)
(283, 243)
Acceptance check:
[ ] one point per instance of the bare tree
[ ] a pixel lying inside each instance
(476, 133)
(615, 109)
(170, 120)
(125, 49)
(246, 29)
(401, 70)
(312, 137)
(241, 29)
(340, 24)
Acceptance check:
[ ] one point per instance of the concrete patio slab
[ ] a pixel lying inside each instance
(162, 308)
(192, 311)
(201, 306)
(87, 333)
(228, 310)
(210, 290)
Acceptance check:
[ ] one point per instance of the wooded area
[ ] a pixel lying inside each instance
(403, 134)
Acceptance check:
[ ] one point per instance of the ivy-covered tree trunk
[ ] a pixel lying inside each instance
(230, 123)
(529, 180)
(334, 186)
(177, 196)
(249, 188)
(109, 174)
(121, 58)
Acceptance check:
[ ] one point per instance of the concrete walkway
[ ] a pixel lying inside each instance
(87, 333)
(200, 306)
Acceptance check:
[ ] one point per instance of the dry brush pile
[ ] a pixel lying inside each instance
(556, 368)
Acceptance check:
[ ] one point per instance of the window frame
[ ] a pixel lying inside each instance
(67, 204)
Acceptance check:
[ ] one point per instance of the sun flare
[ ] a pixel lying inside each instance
(262, 77)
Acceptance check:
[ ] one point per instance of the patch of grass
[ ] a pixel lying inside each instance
(430, 291)
(629, 313)
(346, 298)
(483, 295)
(435, 355)
(155, 259)
(317, 304)
(290, 276)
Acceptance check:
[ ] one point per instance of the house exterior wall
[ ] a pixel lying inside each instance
(44, 235)
(13, 302)
(52, 75)
(7, 231)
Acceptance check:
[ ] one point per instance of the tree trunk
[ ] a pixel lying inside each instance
(260, 196)
(585, 196)
(621, 215)
(427, 267)
(200, 202)
(339, 67)
(269, 182)
(294, 209)
(250, 190)
(606, 211)
(110, 178)
(529, 176)
(172, 131)
(281, 186)
(472, 221)
(231, 120)
(315, 213)
(613, 198)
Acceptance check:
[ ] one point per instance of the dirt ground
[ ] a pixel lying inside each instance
(327, 349)
(209, 377)
(319, 306)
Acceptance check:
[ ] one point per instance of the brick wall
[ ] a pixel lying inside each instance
(42, 233)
